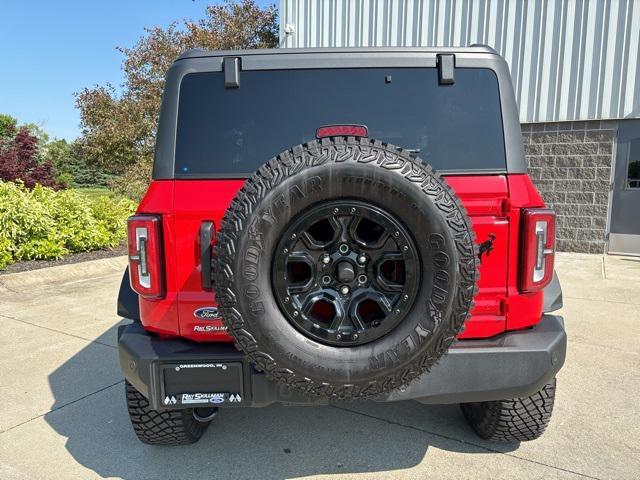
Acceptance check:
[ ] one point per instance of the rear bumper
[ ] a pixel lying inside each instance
(514, 364)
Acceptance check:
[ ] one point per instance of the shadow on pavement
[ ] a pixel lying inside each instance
(271, 442)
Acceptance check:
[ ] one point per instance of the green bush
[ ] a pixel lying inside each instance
(5, 253)
(45, 224)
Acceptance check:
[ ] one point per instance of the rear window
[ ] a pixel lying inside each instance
(231, 132)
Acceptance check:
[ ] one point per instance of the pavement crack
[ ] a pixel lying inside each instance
(600, 300)
(60, 407)
(58, 331)
(453, 439)
(3, 286)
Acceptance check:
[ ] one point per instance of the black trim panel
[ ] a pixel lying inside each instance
(244, 176)
(128, 301)
(511, 365)
(552, 295)
(202, 61)
(207, 233)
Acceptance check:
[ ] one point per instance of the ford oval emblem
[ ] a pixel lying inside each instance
(217, 400)
(207, 313)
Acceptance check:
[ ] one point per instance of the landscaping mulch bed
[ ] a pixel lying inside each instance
(73, 258)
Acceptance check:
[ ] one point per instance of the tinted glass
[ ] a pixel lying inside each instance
(233, 131)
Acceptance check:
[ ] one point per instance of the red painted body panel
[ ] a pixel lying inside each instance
(492, 201)
(484, 198)
(161, 316)
(197, 201)
(524, 310)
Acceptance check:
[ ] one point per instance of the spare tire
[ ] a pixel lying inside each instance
(345, 267)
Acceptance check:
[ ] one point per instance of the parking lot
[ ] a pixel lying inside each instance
(63, 415)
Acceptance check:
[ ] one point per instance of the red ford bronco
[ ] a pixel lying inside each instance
(344, 224)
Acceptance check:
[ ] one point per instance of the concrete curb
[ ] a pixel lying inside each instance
(62, 274)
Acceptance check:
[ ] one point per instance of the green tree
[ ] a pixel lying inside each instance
(119, 125)
(20, 159)
(57, 152)
(38, 132)
(8, 126)
(64, 160)
(70, 166)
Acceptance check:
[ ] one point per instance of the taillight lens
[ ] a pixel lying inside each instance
(342, 130)
(145, 255)
(538, 248)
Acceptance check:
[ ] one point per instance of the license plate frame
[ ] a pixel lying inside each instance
(201, 384)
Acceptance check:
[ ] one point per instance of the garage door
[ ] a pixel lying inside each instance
(624, 227)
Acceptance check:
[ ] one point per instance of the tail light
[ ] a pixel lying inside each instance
(538, 248)
(145, 255)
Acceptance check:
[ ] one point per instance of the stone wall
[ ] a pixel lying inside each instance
(570, 163)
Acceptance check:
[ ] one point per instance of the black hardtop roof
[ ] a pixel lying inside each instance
(203, 53)
(207, 61)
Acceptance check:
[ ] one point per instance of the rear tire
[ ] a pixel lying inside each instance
(166, 427)
(513, 420)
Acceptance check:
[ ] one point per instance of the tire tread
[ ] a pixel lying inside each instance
(512, 420)
(167, 427)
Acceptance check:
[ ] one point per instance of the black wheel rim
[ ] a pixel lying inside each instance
(345, 273)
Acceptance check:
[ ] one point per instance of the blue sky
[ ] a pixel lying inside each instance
(51, 49)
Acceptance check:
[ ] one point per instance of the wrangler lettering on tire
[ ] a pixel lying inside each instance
(345, 267)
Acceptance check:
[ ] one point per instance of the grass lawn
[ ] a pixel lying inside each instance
(95, 192)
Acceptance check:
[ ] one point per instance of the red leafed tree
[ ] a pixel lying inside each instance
(19, 160)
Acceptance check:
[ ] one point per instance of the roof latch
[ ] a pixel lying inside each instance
(446, 64)
(231, 67)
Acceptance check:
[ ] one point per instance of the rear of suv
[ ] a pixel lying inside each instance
(343, 224)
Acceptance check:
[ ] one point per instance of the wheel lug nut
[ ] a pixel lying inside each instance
(326, 259)
(326, 280)
(405, 248)
(294, 236)
(339, 337)
(362, 259)
(405, 298)
(355, 336)
(335, 210)
(286, 299)
(344, 290)
(362, 279)
(285, 251)
(344, 248)
(295, 313)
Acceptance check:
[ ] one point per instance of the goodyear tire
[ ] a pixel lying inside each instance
(512, 420)
(167, 427)
(327, 306)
